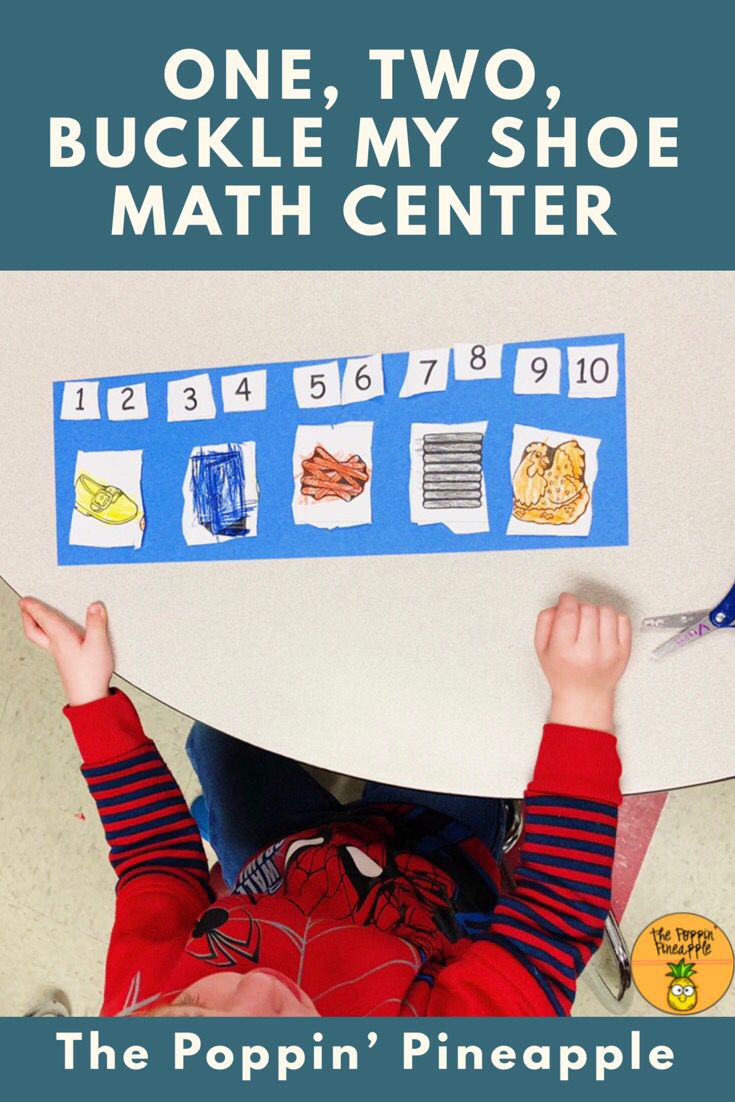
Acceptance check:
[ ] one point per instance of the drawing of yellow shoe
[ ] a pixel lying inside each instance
(107, 504)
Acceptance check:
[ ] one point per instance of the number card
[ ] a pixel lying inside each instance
(427, 371)
(478, 361)
(593, 371)
(363, 380)
(317, 385)
(191, 399)
(80, 402)
(127, 403)
(244, 392)
(538, 371)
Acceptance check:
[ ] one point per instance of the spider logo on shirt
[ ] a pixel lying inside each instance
(224, 948)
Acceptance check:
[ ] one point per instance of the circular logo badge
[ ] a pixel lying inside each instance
(682, 963)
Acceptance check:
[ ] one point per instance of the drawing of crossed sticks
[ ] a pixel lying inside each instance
(325, 476)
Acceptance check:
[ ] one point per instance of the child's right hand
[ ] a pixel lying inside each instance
(583, 651)
(83, 658)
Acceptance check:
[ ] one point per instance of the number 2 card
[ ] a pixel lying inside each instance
(127, 403)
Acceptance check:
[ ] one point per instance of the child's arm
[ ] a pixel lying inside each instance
(540, 937)
(155, 847)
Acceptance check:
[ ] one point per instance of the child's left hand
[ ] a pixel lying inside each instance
(83, 658)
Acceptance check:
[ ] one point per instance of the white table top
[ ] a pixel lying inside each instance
(441, 688)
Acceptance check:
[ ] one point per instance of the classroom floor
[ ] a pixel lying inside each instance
(56, 887)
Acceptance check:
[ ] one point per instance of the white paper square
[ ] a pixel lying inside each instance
(191, 399)
(317, 385)
(351, 439)
(461, 521)
(195, 533)
(363, 379)
(479, 360)
(427, 371)
(127, 403)
(538, 371)
(536, 494)
(80, 401)
(98, 476)
(593, 371)
(244, 391)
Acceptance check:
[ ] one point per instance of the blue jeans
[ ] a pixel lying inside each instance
(252, 797)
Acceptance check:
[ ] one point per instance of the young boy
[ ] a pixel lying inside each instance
(391, 907)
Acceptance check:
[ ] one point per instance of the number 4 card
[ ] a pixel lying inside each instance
(244, 392)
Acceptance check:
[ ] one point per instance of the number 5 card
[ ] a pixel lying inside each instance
(317, 385)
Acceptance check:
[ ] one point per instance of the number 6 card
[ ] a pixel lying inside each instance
(363, 379)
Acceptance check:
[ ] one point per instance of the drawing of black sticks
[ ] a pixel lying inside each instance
(452, 477)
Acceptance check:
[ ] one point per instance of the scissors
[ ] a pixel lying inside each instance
(692, 625)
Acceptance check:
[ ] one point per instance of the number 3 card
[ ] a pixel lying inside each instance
(191, 399)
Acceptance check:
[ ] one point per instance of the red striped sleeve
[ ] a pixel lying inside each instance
(146, 820)
(554, 920)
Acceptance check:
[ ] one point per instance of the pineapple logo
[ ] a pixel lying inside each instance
(693, 953)
(682, 995)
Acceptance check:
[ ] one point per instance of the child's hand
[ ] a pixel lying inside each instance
(83, 658)
(583, 651)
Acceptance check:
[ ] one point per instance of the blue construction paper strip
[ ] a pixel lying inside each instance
(167, 446)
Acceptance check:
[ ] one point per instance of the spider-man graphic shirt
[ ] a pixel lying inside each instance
(386, 910)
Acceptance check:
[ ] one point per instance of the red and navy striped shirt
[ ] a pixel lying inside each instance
(389, 910)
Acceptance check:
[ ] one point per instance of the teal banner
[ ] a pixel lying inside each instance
(361, 1059)
(236, 135)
